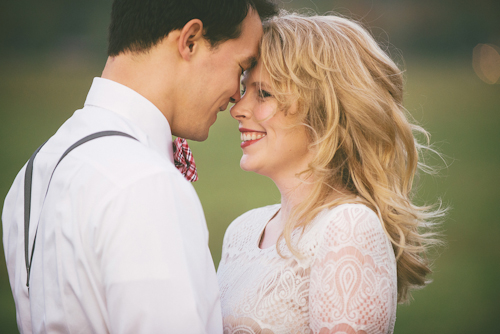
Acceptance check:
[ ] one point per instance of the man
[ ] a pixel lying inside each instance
(121, 239)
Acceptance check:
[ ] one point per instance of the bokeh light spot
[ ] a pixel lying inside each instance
(486, 62)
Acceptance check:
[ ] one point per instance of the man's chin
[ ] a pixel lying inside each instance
(197, 136)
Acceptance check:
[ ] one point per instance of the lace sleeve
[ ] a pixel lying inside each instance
(353, 277)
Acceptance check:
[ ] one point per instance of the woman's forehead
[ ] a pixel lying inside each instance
(257, 76)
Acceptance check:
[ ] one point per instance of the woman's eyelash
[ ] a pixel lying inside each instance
(263, 94)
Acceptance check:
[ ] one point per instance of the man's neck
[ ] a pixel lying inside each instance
(138, 72)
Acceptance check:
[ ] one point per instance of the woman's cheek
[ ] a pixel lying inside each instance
(264, 111)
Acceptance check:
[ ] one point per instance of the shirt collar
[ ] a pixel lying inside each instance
(126, 102)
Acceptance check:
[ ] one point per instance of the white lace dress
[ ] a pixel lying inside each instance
(345, 283)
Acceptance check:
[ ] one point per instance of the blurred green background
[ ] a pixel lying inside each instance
(50, 51)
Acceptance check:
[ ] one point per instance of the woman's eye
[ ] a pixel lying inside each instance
(263, 94)
(242, 91)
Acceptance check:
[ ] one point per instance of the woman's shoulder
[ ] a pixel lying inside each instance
(257, 213)
(349, 213)
(251, 219)
(346, 223)
(354, 225)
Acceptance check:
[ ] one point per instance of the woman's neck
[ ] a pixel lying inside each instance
(294, 190)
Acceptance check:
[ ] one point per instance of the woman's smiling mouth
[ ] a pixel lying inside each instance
(248, 137)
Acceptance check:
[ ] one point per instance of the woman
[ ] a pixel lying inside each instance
(322, 116)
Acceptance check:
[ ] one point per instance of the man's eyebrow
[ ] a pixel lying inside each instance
(250, 63)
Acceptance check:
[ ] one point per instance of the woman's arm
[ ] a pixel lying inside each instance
(353, 286)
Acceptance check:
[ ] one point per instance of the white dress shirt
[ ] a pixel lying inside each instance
(122, 243)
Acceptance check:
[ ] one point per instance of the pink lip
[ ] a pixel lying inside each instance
(249, 142)
(249, 130)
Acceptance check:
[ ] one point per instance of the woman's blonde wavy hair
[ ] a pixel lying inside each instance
(349, 95)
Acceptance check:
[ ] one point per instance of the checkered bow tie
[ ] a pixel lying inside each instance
(183, 159)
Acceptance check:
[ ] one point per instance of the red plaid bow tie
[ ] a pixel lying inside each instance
(183, 159)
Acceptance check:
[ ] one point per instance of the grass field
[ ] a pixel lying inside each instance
(461, 112)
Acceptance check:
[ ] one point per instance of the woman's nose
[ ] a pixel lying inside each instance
(241, 110)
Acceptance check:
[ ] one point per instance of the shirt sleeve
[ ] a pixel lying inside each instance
(352, 287)
(141, 247)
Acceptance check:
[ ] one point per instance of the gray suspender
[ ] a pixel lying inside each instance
(27, 191)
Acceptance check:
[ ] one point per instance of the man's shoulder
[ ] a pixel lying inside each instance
(115, 157)
(122, 159)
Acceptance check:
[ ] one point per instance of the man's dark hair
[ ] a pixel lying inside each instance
(137, 25)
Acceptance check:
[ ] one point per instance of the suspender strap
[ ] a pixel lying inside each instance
(28, 176)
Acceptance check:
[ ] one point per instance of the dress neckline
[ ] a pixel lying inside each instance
(263, 228)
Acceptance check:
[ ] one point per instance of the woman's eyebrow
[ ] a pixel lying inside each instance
(249, 63)
(258, 84)
(261, 84)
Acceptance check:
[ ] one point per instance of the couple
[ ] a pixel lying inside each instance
(121, 239)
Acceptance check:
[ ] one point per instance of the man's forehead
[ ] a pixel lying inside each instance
(250, 38)
(250, 62)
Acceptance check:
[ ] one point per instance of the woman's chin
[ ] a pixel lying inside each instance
(247, 164)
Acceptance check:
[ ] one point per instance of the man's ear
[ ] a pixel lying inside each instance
(190, 38)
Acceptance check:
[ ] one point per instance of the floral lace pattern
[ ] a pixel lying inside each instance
(345, 282)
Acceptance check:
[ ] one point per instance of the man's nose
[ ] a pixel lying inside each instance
(236, 96)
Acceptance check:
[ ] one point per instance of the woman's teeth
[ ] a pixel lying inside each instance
(246, 136)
